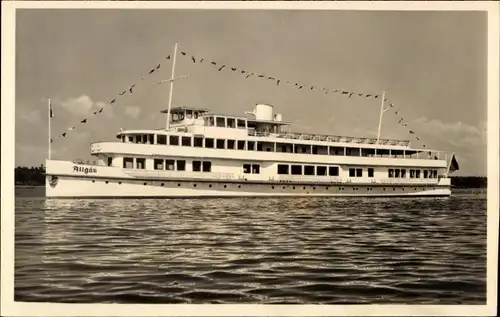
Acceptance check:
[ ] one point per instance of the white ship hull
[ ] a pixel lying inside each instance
(109, 182)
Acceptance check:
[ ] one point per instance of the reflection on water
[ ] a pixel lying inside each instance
(295, 250)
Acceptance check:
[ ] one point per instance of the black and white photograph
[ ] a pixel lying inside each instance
(300, 159)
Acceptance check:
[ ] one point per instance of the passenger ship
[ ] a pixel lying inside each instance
(202, 154)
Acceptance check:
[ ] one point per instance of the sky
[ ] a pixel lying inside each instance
(432, 66)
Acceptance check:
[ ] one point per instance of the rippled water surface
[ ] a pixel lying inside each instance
(293, 250)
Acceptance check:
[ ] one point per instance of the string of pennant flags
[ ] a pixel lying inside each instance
(129, 90)
(220, 67)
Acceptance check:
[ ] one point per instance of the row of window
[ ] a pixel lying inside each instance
(401, 173)
(229, 144)
(313, 170)
(283, 187)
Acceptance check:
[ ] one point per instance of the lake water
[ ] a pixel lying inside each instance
(293, 250)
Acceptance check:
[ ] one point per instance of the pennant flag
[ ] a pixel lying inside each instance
(222, 67)
(423, 145)
(130, 89)
(336, 90)
(350, 95)
(100, 110)
(64, 134)
(326, 92)
(84, 120)
(168, 57)
(396, 112)
(278, 82)
(261, 76)
(183, 53)
(411, 132)
(113, 101)
(312, 87)
(158, 67)
(417, 138)
(122, 93)
(51, 140)
(385, 99)
(400, 120)
(201, 61)
(194, 60)
(368, 96)
(391, 105)
(95, 112)
(271, 78)
(151, 71)
(345, 92)
(214, 63)
(249, 75)
(360, 94)
(376, 96)
(243, 71)
(233, 69)
(301, 87)
(71, 129)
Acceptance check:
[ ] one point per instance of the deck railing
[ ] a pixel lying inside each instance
(329, 138)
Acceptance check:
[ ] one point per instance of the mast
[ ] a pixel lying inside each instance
(171, 88)
(50, 119)
(381, 114)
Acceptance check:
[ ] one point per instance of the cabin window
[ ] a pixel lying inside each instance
(140, 163)
(123, 138)
(198, 142)
(230, 144)
(321, 171)
(352, 172)
(189, 114)
(259, 146)
(186, 141)
(241, 124)
(210, 121)
(403, 173)
(220, 121)
(397, 173)
(128, 162)
(333, 170)
(283, 169)
(196, 166)
(246, 168)
(251, 145)
(161, 139)
(207, 166)
(426, 173)
(435, 174)
(220, 143)
(314, 149)
(138, 139)
(110, 161)
(181, 165)
(417, 174)
(296, 169)
(412, 173)
(174, 140)
(308, 170)
(209, 143)
(151, 138)
(241, 145)
(304, 149)
(231, 123)
(359, 172)
(255, 169)
(370, 172)
(391, 173)
(169, 165)
(130, 139)
(158, 164)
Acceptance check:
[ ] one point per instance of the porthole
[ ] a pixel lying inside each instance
(326, 188)
(304, 187)
(383, 188)
(119, 183)
(179, 185)
(93, 181)
(272, 187)
(162, 184)
(239, 186)
(293, 187)
(403, 189)
(284, 187)
(145, 184)
(393, 188)
(314, 188)
(225, 186)
(107, 182)
(194, 185)
(210, 186)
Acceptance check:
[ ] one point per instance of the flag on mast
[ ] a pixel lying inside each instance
(51, 112)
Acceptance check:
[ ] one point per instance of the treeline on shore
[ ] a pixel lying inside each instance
(35, 176)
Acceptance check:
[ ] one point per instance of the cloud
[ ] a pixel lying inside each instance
(457, 133)
(30, 116)
(132, 112)
(83, 105)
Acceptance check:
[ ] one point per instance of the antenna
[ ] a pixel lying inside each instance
(171, 88)
(50, 119)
